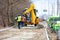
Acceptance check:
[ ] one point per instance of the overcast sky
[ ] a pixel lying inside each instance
(48, 5)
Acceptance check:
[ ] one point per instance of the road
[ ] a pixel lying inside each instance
(26, 34)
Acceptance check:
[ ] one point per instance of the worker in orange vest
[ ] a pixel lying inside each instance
(23, 19)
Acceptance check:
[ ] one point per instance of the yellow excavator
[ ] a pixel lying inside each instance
(32, 13)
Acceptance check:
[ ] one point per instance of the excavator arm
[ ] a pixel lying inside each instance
(31, 10)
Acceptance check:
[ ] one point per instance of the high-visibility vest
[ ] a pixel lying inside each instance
(23, 19)
(18, 18)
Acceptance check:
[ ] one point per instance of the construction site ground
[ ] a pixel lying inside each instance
(28, 33)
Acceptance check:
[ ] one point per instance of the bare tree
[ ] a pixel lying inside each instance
(8, 11)
(1, 12)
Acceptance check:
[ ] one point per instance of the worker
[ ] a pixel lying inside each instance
(23, 19)
(36, 21)
(18, 19)
(28, 17)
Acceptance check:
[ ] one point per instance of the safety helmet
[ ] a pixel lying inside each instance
(25, 9)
